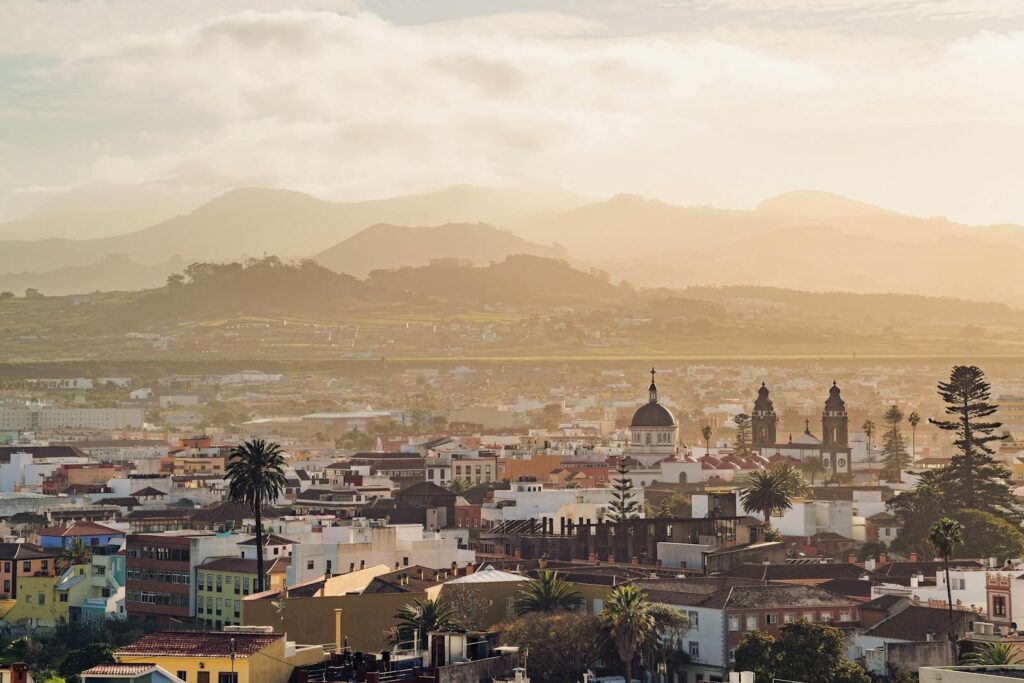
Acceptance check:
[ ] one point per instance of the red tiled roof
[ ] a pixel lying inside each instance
(198, 644)
(119, 669)
(81, 528)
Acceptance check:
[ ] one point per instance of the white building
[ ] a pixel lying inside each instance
(365, 543)
(36, 417)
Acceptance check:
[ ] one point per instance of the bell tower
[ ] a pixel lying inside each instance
(763, 421)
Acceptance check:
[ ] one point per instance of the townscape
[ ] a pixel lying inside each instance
(724, 515)
(511, 341)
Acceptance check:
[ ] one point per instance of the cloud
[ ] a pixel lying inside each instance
(332, 99)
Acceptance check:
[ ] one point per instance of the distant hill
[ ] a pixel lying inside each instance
(385, 246)
(519, 279)
(801, 240)
(253, 222)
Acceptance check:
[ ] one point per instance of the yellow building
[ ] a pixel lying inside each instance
(220, 657)
(222, 583)
(36, 605)
(478, 470)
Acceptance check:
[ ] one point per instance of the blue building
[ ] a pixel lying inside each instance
(91, 534)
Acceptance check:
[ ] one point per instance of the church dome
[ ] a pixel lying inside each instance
(653, 414)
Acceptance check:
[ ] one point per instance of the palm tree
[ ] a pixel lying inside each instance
(627, 618)
(768, 491)
(913, 419)
(993, 654)
(255, 475)
(459, 486)
(813, 466)
(945, 535)
(421, 617)
(869, 429)
(706, 432)
(548, 593)
(74, 553)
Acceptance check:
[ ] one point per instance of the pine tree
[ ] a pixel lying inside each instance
(742, 422)
(624, 504)
(972, 474)
(894, 448)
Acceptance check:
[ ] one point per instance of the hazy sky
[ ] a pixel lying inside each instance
(915, 105)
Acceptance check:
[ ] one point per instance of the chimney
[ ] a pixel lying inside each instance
(913, 557)
(337, 630)
(542, 563)
(592, 558)
(852, 559)
(635, 562)
(611, 558)
(455, 568)
(470, 569)
(882, 559)
(869, 564)
(518, 554)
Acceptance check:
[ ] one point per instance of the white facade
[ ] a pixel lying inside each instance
(530, 500)
(25, 472)
(51, 417)
(343, 549)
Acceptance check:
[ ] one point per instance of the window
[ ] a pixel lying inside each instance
(182, 675)
(734, 623)
(788, 618)
(845, 616)
(826, 617)
(998, 606)
(752, 622)
(694, 620)
(220, 582)
(26, 567)
(771, 618)
(201, 581)
(694, 650)
(227, 677)
(42, 598)
(63, 596)
(309, 564)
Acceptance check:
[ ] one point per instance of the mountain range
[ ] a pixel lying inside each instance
(802, 240)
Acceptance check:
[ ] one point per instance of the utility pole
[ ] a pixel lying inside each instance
(232, 660)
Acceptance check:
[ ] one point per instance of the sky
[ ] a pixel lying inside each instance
(915, 105)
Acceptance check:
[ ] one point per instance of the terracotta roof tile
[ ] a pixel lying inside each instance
(198, 644)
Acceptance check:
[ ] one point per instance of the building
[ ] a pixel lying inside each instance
(222, 583)
(214, 657)
(653, 429)
(36, 417)
(722, 610)
(159, 572)
(128, 673)
(91, 534)
(24, 559)
(833, 446)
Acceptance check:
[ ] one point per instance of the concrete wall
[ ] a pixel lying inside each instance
(365, 619)
(480, 670)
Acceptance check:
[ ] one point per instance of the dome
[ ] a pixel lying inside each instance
(653, 415)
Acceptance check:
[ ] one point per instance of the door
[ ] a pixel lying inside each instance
(203, 677)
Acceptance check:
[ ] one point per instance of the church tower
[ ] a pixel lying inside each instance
(835, 423)
(763, 421)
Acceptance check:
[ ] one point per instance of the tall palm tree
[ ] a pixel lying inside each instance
(770, 491)
(913, 419)
(74, 553)
(813, 466)
(547, 593)
(869, 429)
(421, 617)
(945, 535)
(706, 432)
(255, 475)
(993, 654)
(627, 618)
